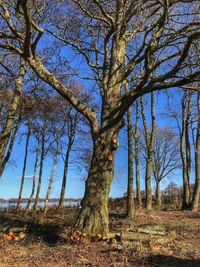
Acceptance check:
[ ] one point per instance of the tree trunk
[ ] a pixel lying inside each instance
(64, 181)
(158, 194)
(11, 143)
(51, 178)
(148, 184)
(34, 178)
(5, 134)
(130, 192)
(150, 148)
(40, 172)
(196, 193)
(24, 169)
(93, 216)
(137, 159)
(186, 183)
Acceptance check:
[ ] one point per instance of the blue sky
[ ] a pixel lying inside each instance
(10, 181)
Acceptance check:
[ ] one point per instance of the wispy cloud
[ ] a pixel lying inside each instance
(27, 177)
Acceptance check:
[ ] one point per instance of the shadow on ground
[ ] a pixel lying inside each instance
(166, 261)
(45, 232)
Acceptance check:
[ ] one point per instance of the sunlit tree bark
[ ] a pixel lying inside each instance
(42, 156)
(130, 192)
(34, 177)
(196, 193)
(24, 168)
(11, 117)
(185, 150)
(137, 158)
(51, 177)
(149, 146)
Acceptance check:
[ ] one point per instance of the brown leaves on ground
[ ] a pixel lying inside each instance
(179, 247)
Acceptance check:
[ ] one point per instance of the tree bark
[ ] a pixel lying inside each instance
(24, 169)
(51, 178)
(40, 172)
(93, 216)
(10, 147)
(137, 159)
(64, 181)
(150, 148)
(186, 183)
(158, 194)
(196, 193)
(5, 134)
(130, 193)
(34, 178)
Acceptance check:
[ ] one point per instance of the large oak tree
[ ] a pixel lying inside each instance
(154, 36)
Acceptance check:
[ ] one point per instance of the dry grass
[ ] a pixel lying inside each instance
(48, 242)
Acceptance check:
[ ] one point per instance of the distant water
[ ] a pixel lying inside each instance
(4, 205)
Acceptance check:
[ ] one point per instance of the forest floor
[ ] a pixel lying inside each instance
(161, 238)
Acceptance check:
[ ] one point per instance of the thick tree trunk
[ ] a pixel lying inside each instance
(93, 216)
(196, 193)
(34, 178)
(64, 181)
(40, 172)
(158, 194)
(24, 169)
(51, 179)
(130, 193)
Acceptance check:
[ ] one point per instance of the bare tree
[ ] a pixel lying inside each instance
(71, 131)
(51, 180)
(24, 167)
(149, 136)
(196, 193)
(103, 33)
(137, 155)
(34, 176)
(166, 157)
(130, 193)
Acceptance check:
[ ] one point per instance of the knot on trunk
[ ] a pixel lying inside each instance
(114, 144)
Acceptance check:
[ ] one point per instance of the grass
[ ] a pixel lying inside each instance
(48, 241)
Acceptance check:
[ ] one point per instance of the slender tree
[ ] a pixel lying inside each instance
(196, 193)
(52, 177)
(149, 136)
(34, 176)
(24, 167)
(185, 149)
(41, 165)
(137, 157)
(130, 192)
(71, 131)
(166, 157)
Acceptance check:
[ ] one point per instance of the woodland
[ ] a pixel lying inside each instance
(87, 85)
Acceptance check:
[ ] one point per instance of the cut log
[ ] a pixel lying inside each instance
(151, 232)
